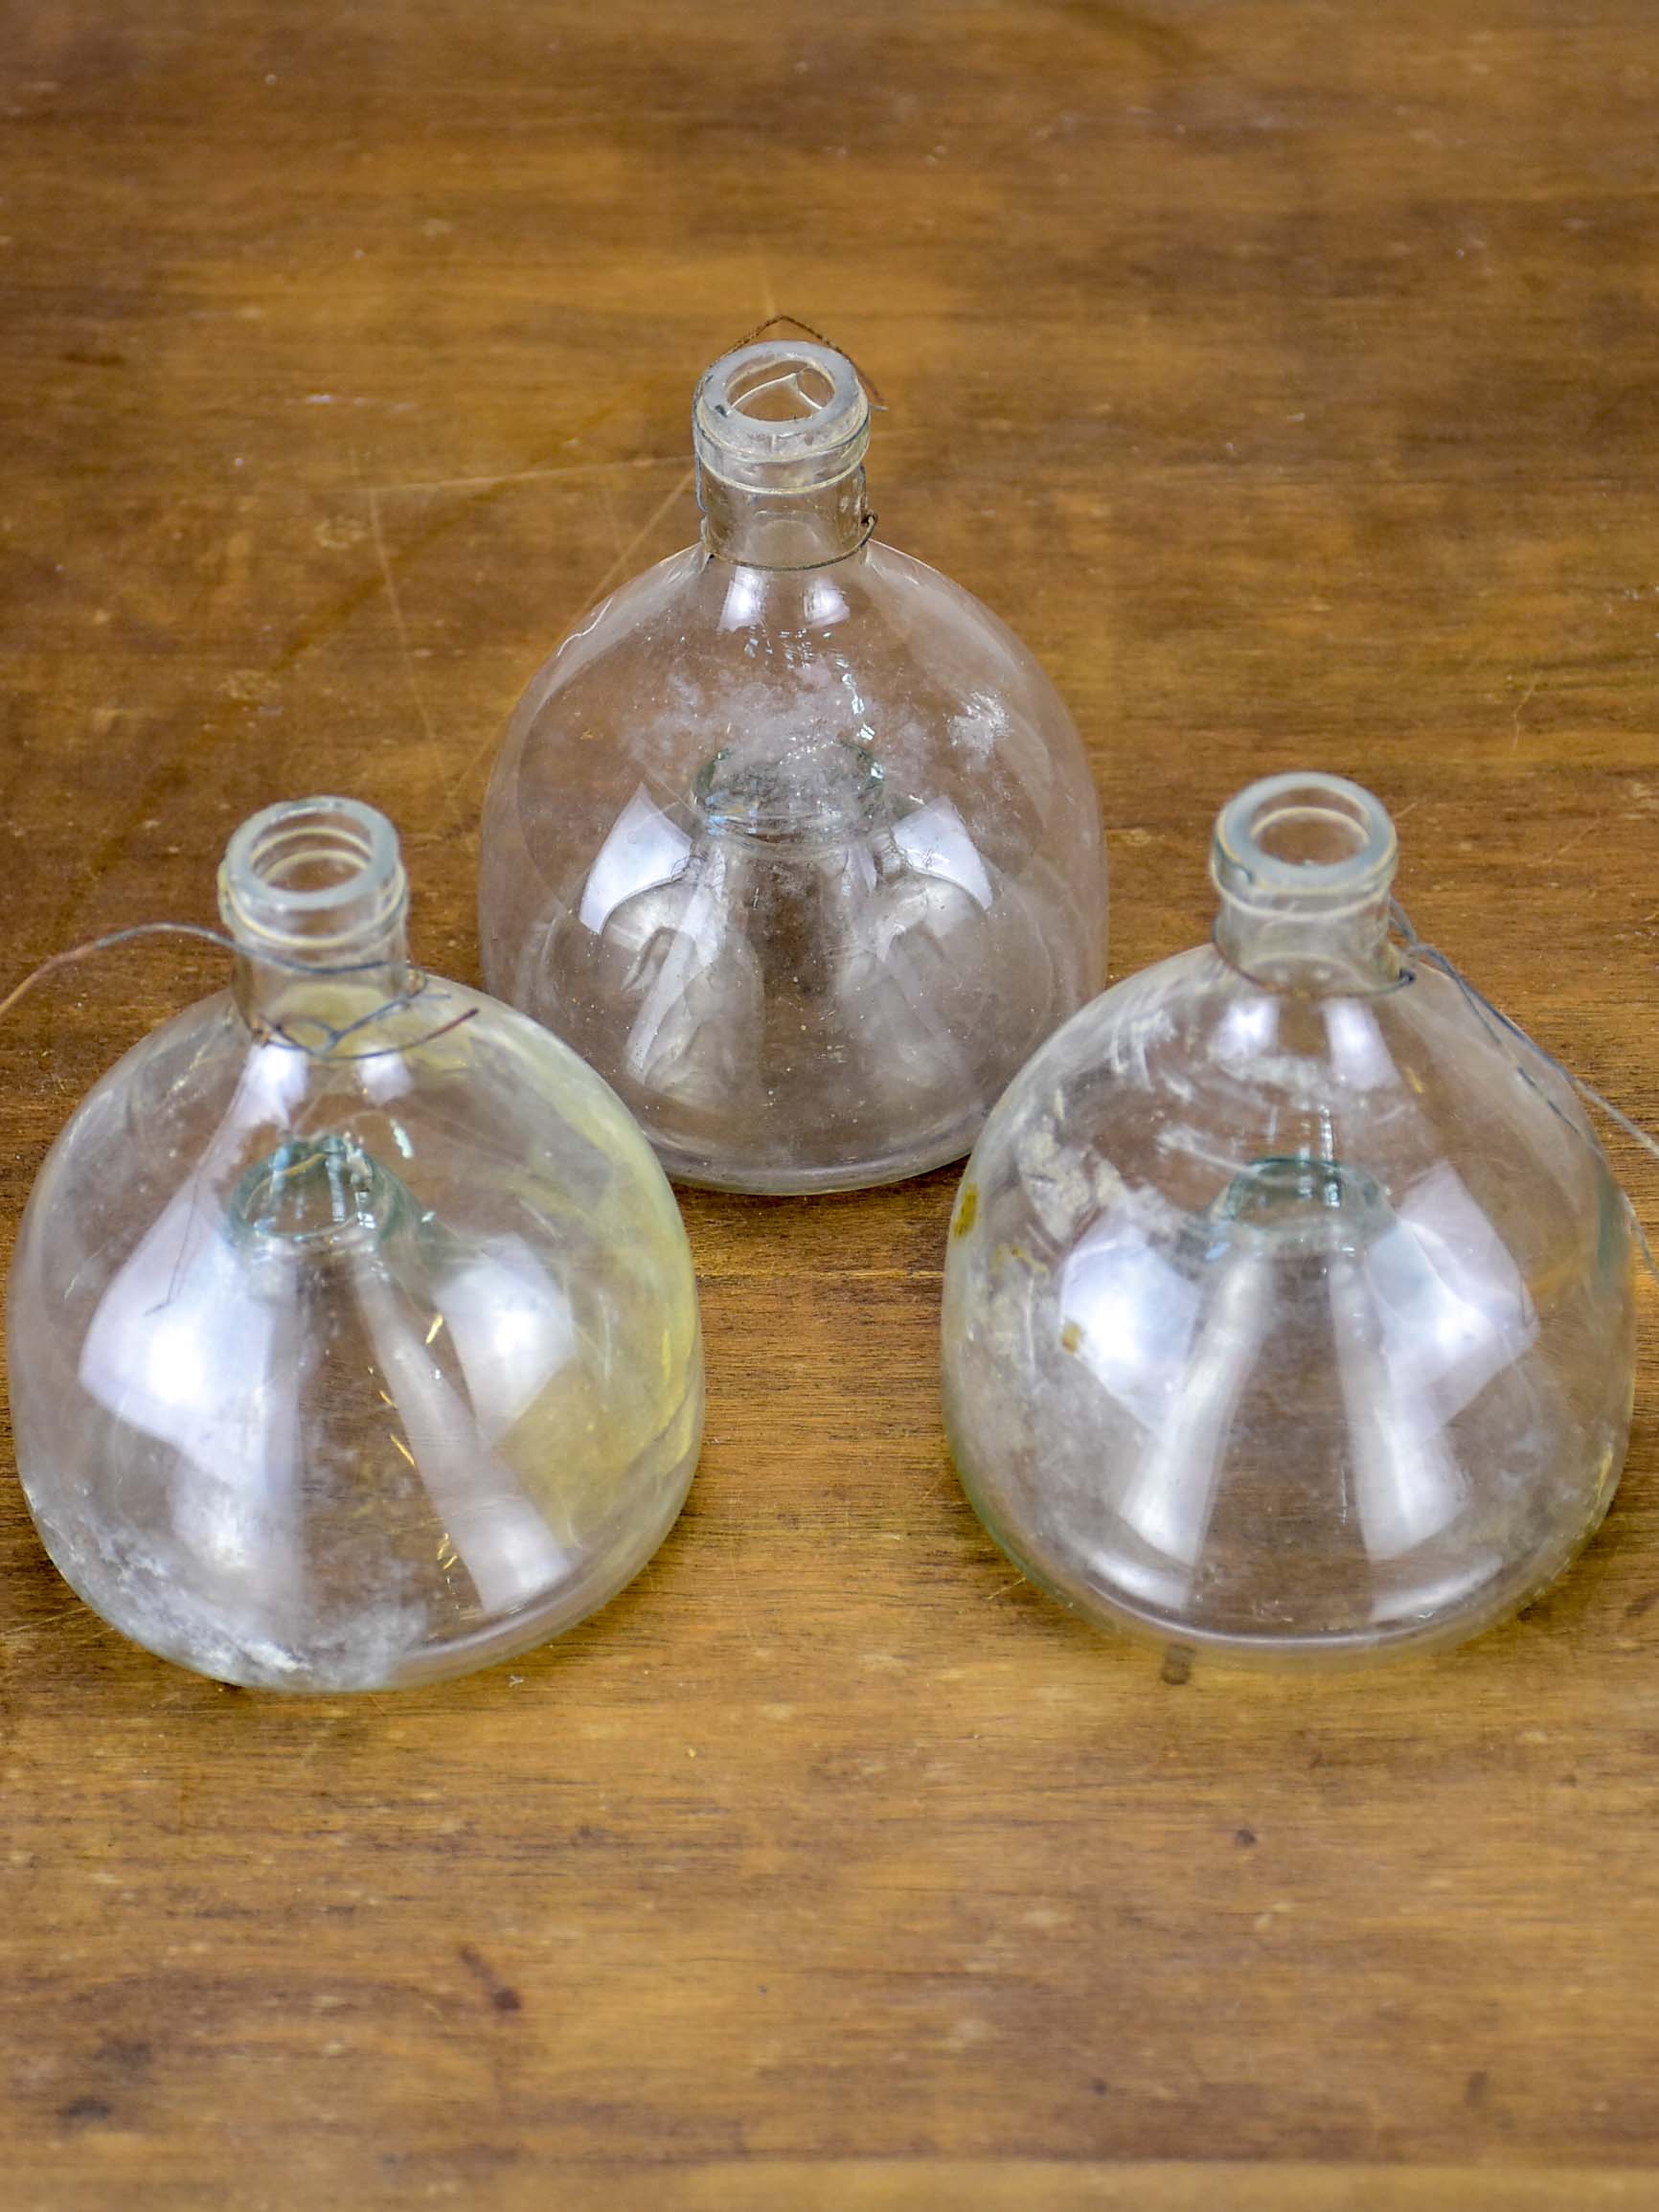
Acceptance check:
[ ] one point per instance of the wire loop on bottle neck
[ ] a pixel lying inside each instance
(800, 567)
(1501, 1029)
(264, 1033)
(878, 405)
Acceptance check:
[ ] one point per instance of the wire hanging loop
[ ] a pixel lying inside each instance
(328, 1038)
(1503, 1031)
(878, 405)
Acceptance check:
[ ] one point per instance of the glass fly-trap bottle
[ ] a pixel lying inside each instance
(792, 838)
(352, 1334)
(1289, 1306)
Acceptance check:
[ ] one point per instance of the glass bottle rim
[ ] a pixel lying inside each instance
(312, 874)
(1304, 842)
(781, 415)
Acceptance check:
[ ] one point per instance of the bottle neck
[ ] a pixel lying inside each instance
(310, 996)
(1305, 866)
(779, 430)
(1287, 949)
(315, 897)
(794, 527)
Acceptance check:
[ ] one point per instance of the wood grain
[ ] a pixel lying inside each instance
(1289, 376)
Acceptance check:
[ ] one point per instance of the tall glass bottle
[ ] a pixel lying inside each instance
(792, 838)
(1289, 1305)
(352, 1334)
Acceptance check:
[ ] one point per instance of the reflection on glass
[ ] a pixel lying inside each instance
(361, 1364)
(868, 879)
(643, 851)
(1288, 1309)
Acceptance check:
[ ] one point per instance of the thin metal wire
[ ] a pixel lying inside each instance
(1501, 1029)
(877, 404)
(276, 1033)
(1503, 1032)
(803, 567)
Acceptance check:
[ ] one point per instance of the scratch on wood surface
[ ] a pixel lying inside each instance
(530, 476)
(681, 485)
(768, 299)
(395, 603)
(1515, 717)
(319, 1736)
(740, 1603)
(613, 521)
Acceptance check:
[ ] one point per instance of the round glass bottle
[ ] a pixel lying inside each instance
(792, 838)
(1289, 1307)
(353, 1334)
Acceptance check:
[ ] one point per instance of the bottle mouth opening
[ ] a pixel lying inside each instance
(313, 873)
(819, 790)
(1304, 841)
(781, 415)
(315, 1194)
(1301, 1202)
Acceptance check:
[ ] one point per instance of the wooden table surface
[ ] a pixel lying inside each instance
(1288, 374)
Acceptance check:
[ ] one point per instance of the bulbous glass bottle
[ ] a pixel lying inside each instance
(792, 839)
(353, 1334)
(1289, 1306)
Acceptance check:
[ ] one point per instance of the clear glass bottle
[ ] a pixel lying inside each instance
(353, 1334)
(1288, 1306)
(792, 838)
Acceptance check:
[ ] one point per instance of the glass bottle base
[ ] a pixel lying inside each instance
(697, 1172)
(218, 1651)
(1187, 1643)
